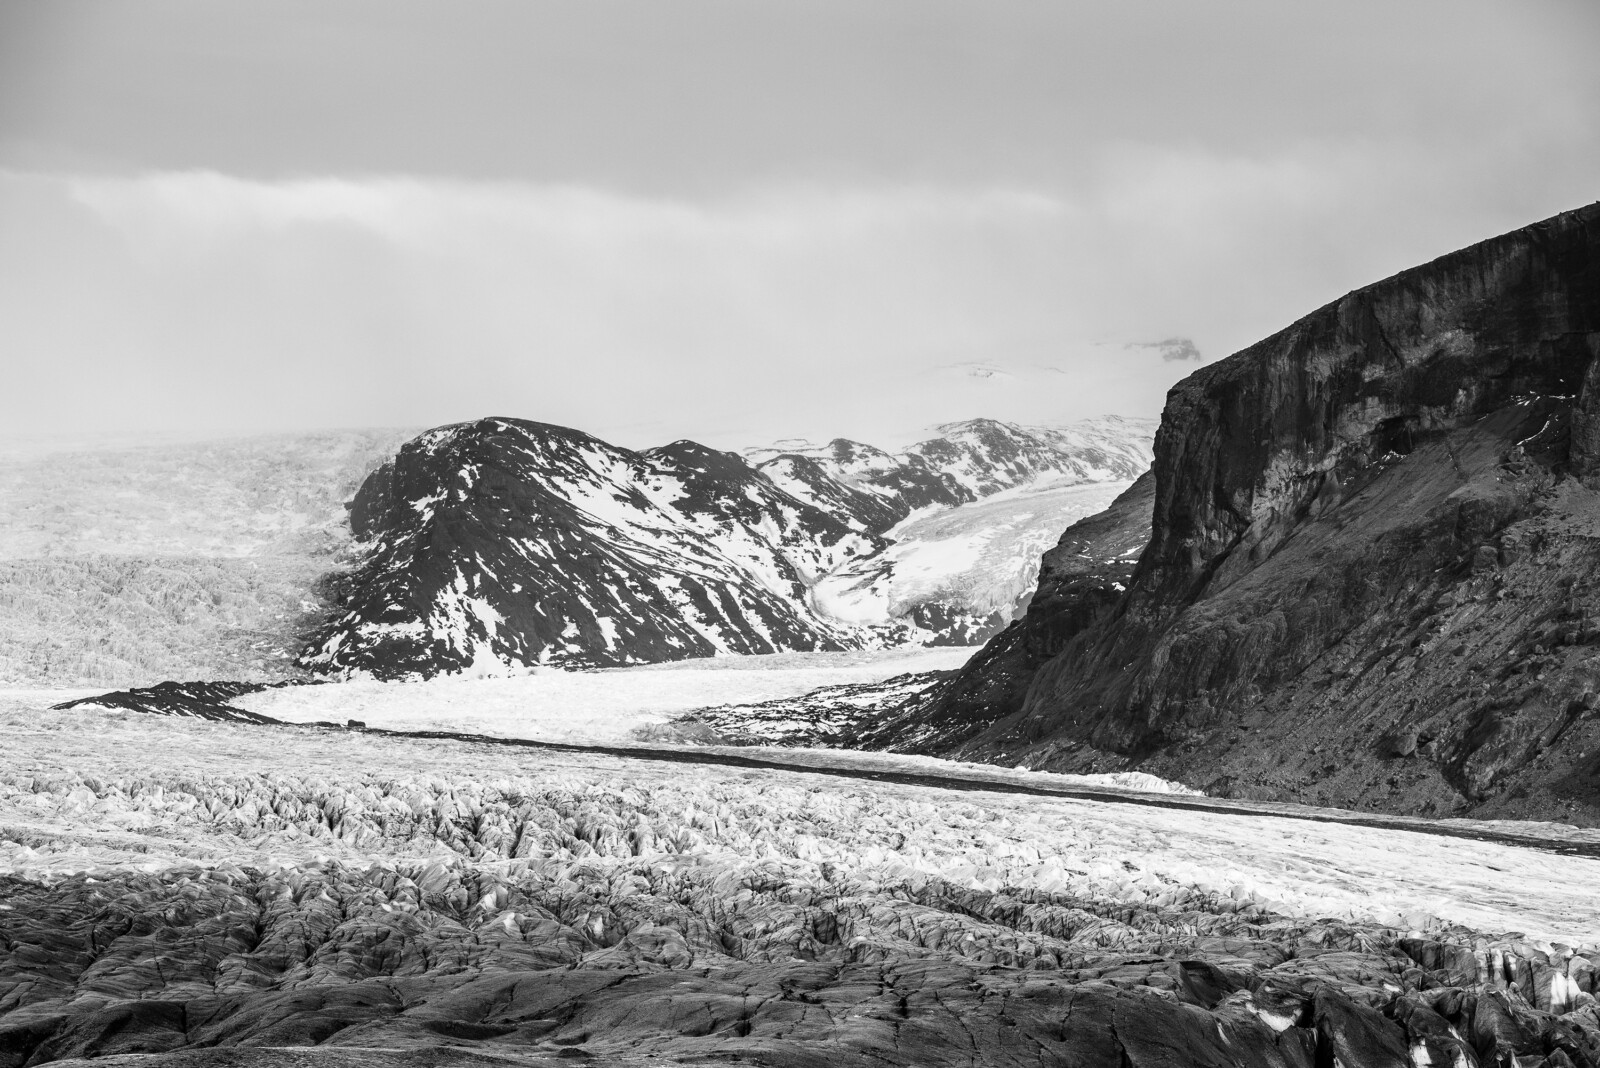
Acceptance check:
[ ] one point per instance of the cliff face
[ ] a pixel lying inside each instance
(1373, 540)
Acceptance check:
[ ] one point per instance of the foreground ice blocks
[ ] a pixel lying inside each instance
(705, 960)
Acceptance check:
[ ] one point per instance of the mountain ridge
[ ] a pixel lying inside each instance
(502, 542)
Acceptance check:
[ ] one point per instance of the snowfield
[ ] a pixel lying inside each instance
(604, 707)
(135, 558)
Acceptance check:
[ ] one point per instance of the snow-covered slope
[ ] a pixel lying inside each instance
(985, 456)
(504, 543)
(965, 462)
(130, 560)
(980, 559)
(974, 509)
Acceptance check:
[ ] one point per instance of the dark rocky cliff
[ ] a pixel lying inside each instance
(1375, 557)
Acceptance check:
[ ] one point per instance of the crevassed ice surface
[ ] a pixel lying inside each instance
(90, 790)
(981, 557)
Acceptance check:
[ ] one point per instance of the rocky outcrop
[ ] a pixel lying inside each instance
(197, 700)
(829, 717)
(1371, 573)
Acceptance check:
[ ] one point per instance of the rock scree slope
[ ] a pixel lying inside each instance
(1373, 576)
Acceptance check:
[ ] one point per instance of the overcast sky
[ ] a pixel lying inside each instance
(733, 221)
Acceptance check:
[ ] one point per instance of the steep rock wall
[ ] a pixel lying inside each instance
(1361, 526)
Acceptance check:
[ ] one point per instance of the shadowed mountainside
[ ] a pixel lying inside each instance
(1372, 578)
(1080, 580)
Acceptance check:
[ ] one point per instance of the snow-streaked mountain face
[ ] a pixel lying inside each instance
(974, 507)
(967, 461)
(980, 559)
(503, 543)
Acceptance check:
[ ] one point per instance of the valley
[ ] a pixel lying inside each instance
(998, 750)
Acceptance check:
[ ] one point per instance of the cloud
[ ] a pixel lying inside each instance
(204, 206)
(193, 297)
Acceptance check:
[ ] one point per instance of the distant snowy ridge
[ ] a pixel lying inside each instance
(969, 460)
(973, 511)
(504, 543)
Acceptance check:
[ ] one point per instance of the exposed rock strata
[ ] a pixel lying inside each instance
(1372, 576)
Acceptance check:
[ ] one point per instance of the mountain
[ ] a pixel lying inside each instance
(979, 560)
(505, 542)
(1371, 578)
(968, 514)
